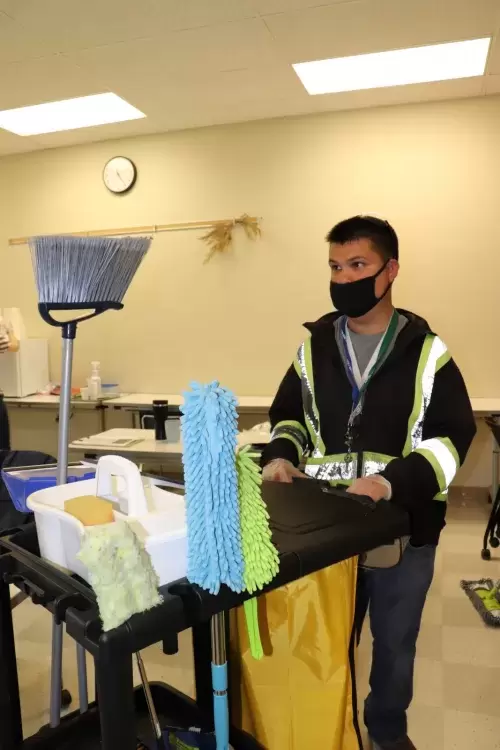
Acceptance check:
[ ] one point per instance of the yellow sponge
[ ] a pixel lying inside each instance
(90, 510)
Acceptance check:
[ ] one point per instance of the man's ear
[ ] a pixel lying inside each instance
(393, 269)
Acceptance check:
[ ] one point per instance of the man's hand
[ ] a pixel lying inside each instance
(375, 487)
(281, 470)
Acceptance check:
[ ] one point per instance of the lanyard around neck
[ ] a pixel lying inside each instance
(359, 381)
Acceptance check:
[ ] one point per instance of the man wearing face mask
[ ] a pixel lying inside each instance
(374, 399)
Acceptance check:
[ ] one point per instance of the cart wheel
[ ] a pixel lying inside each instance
(486, 554)
(65, 698)
(494, 542)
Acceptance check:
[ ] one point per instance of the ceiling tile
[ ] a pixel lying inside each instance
(44, 80)
(101, 133)
(73, 24)
(492, 84)
(174, 15)
(365, 26)
(493, 66)
(16, 44)
(269, 7)
(191, 63)
(14, 144)
(181, 56)
(241, 111)
(251, 86)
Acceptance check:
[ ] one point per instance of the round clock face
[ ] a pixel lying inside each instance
(119, 174)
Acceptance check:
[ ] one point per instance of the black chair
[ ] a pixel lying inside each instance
(10, 517)
(4, 426)
(492, 531)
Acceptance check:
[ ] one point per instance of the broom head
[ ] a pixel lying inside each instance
(76, 273)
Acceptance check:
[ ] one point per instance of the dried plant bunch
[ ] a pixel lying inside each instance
(220, 237)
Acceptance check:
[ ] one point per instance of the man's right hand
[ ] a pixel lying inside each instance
(281, 470)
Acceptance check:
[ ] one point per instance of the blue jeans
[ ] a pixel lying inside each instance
(395, 598)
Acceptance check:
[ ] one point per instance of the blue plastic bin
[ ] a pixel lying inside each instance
(22, 482)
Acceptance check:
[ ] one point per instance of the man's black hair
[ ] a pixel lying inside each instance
(378, 231)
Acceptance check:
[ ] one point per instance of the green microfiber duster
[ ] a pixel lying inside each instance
(485, 596)
(121, 572)
(260, 557)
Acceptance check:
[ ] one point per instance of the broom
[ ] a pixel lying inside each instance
(84, 275)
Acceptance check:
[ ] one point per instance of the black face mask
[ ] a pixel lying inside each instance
(356, 298)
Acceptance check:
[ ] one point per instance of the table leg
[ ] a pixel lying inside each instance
(102, 417)
(115, 687)
(11, 730)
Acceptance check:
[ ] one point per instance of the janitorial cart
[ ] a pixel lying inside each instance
(312, 530)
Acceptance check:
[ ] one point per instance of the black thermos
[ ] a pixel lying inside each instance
(160, 414)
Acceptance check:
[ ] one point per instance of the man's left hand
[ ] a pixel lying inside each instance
(373, 487)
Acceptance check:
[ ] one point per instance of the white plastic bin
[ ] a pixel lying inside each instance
(157, 516)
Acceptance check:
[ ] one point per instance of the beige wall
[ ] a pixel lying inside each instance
(431, 169)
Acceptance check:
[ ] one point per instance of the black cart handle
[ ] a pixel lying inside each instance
(341, 490)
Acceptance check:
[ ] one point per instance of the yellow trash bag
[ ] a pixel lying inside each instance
(300, 695)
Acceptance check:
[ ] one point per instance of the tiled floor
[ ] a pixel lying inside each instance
(457, 681)
(457, 685)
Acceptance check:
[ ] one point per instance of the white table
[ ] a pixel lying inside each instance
(246, 404)
(132, 402)
(137, 402)
(144, 446)
(484, 407)
(52, 403)
(145, 400)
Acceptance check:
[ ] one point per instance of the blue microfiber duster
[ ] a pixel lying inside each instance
(209, 429)
(223, 546)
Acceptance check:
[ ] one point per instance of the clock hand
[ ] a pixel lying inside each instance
(119, 175)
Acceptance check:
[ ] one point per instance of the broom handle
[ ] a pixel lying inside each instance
(219, 680)
(68, 335)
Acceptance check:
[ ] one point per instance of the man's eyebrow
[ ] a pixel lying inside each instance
(353, 259)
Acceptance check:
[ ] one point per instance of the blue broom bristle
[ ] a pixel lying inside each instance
(209, 430)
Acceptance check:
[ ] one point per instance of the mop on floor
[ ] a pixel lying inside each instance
(485, 596)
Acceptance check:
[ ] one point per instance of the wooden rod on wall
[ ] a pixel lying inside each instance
(149, 229)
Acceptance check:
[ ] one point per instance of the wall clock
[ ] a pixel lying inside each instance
(119, 174)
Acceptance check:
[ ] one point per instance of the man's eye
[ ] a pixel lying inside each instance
(359, 264)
